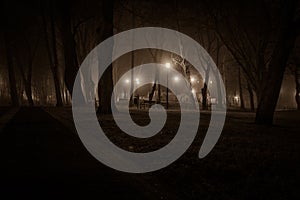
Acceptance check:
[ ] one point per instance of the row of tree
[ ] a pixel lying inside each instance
(259, 36)
(65, 37)
(261, 42)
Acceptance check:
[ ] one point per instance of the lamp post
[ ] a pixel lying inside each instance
(168, 65)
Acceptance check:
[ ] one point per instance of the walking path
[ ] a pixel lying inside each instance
(6, 114)
(44, 159)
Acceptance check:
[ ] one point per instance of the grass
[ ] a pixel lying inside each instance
(249, 161)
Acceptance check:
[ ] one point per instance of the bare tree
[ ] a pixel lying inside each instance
(261, 49)
(52, 54)
(251, 96)
(105, 88)
(25, 49)
(242, 104)
(11, 71)
(70, 55)
(297, 81)
(294, 68)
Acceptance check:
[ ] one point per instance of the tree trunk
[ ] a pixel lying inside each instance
(27, 79)
(154, 87)
(152, 91)
(131, 102)
(158, 93)
(54, 67)
(71, 62)
(218, 78)
(204, 89)
(105, 90)
(268, 94)
(251, 97)
(241, 90)
(11, 72)
(219, 99)
(297, 81)
(204, 97)
(28, 92)
(53, 58)
(69, 47)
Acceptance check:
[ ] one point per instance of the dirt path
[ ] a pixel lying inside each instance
(43, 159)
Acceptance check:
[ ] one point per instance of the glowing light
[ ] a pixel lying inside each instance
(210, 82)
(137, 80)
(236, 97)
(176, 78)
(193, 91)
(193, 79)
(168, 65)
(127, 81)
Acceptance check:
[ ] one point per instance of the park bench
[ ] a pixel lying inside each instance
(146, 103)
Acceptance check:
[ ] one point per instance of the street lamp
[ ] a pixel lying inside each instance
(168, 65)
(176, 78)
(192, 79)
(137, 81)
(237, 99)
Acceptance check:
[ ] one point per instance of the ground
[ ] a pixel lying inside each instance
(43, 157)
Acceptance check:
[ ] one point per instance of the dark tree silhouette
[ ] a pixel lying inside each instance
(11, 71)
(268, 96)
(105, 88)
(204, 97)
(25, 49)
(297, 82)
(251, 96)
(260, 45)
(294, 67)
(69, 46)
(242, 104)
(52, 54)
